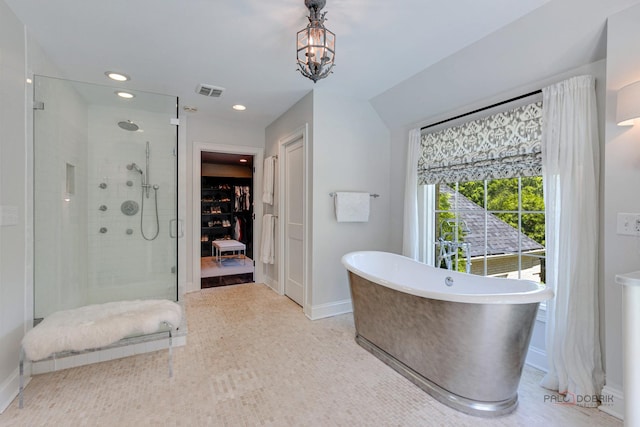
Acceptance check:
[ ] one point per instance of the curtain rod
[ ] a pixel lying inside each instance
(497, 104)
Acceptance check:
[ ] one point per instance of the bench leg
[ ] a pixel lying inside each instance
(21, 392)
(170, 354)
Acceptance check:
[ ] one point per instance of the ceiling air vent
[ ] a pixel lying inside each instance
(209, 90)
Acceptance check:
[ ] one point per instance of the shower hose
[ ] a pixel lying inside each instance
(155, 194)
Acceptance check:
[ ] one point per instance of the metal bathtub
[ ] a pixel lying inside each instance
(461, 338)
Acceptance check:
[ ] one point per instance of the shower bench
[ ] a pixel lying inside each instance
(99, 327)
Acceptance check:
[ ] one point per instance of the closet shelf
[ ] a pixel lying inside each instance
(231, 200)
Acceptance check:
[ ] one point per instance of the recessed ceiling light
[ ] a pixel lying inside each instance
(119, 77)
(125, 95)
(239, 107)
(243, 160)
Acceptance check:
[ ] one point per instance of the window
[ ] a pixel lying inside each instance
(482, 202)
(491, 227)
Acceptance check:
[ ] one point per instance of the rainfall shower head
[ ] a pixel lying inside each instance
(133, 166)
(128, 125)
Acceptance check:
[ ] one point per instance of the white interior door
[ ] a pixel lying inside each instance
(294, 221)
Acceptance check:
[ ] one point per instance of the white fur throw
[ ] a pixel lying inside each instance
(98, 325)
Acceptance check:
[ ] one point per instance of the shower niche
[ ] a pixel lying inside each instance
(94, 153)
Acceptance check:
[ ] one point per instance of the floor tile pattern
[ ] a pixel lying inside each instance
(253, 359)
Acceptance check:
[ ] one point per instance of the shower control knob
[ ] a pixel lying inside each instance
(103, 185)
(103, 208)
(129, 231)
(129, 207)
(103, 230)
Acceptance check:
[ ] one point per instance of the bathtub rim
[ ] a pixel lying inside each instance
(539, 294)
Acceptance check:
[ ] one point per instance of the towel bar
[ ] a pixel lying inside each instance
(375, 196)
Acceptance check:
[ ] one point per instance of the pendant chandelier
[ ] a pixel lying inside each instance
(316, 44)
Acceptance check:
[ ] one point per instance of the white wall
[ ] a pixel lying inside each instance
(351, 151)
(200, 129)
(296, 117)
(349, 148)
(622, 174)
(558, 36)
(13, 162)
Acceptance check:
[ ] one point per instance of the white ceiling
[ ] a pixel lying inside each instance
(248, 46)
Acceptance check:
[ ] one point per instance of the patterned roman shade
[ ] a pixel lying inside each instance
(502, 145)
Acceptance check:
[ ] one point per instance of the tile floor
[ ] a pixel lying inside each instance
(253, 359)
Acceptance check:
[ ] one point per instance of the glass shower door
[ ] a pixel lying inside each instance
(105, 190)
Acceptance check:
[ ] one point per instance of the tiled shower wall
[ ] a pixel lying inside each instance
(125, 264)
(60, 230)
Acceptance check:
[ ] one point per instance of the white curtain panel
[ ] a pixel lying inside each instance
(571, 152)
(410, 237)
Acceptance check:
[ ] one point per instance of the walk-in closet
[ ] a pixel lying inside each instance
(226, 219)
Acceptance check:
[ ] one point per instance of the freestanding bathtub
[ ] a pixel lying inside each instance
(461, 338)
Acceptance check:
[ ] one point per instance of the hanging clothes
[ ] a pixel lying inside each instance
(237, 230)
(237, 199)
(246, 198)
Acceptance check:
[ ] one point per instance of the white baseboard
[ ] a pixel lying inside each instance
(538, 359)
(272, 283)
(613, 403)
(10, 387)
(330, 309)
(191, 288)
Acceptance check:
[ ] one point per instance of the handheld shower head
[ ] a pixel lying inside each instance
(133, 166)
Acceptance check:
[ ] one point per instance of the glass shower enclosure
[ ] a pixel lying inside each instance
(105, 195)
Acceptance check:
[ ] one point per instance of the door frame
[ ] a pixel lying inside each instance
(257, 153)
(300, 133)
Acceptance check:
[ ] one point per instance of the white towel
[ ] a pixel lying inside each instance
(267, 246)
(267, 182)
(352, 206)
